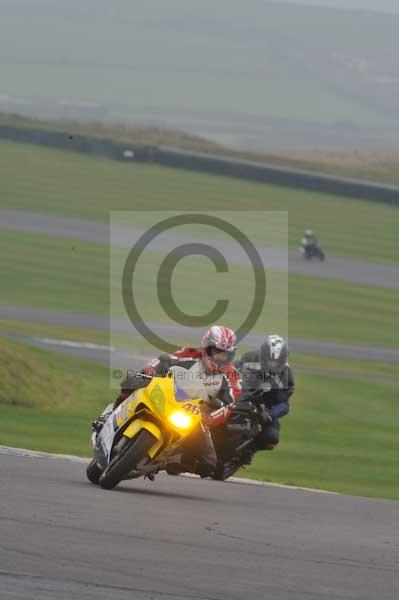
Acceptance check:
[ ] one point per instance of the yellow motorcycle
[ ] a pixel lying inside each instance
(144, 433)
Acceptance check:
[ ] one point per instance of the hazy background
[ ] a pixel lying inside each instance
(256, 75)
(388, 6)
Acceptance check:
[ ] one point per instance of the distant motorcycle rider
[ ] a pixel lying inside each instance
(207, 373)
(268, 382)
(309, 239)
(310, 246)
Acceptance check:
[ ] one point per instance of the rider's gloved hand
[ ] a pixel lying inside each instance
(158, 367)
(216, 413)
(213, 403)
(264, 415)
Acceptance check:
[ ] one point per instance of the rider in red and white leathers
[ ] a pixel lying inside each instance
(207, 373)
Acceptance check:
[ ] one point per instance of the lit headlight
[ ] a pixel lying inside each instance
(181, 420)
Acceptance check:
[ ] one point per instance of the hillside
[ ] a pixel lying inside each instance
(263, 76)
(373, 166)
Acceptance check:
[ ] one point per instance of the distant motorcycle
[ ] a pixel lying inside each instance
(234, 439)
(310, 251)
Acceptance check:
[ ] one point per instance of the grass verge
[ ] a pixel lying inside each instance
(341, 435)
(47, 400)
(38, 380)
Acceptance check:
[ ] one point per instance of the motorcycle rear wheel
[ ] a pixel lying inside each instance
(131, 455)
(225, 470)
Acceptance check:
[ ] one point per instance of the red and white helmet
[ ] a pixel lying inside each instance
(218, 346)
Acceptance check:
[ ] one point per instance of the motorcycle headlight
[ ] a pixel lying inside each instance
(181, 420)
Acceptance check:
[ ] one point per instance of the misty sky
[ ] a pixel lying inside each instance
(390, 6)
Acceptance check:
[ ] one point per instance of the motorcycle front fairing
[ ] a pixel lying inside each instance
(104, 441)
(146, 408)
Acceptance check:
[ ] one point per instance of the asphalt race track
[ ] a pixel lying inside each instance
(345, 269)
(123, 325)
(180, 538)
(126, 360)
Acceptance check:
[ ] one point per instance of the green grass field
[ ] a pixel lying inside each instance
(341, 436)
(62, 183)
(48, 272)
(337, 437)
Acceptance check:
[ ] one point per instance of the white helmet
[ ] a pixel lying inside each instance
(218, 346)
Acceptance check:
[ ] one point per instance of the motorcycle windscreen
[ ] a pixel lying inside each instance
(188, 384)
(181, 394)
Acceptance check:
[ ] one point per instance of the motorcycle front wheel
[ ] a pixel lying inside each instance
(93, 472)
(131, 454)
